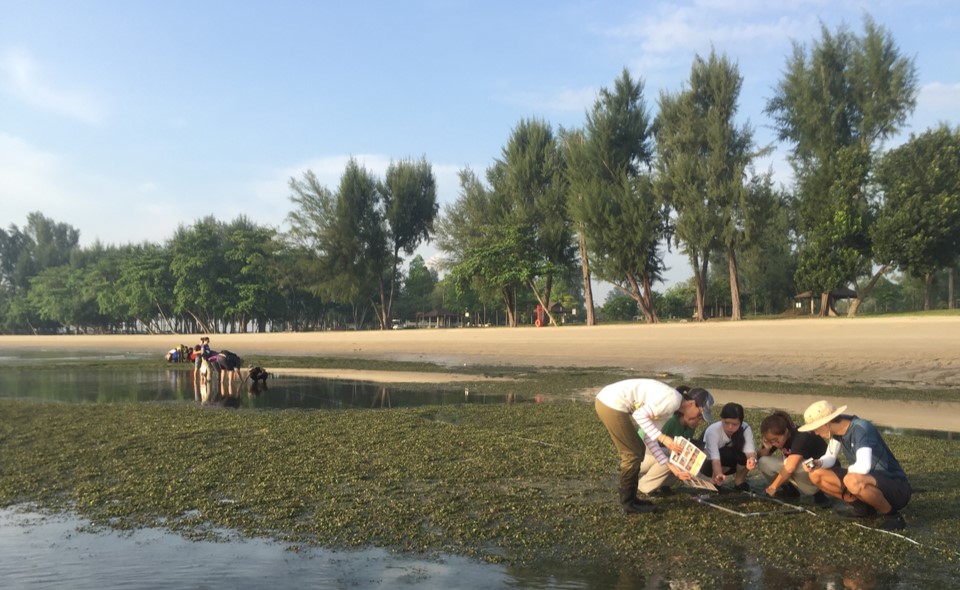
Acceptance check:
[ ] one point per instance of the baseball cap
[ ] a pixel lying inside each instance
(703, 400)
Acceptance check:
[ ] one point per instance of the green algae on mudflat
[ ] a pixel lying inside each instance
(519, 484)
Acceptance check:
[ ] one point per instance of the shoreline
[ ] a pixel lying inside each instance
(906, 352)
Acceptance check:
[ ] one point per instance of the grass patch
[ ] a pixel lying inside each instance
(522, 484)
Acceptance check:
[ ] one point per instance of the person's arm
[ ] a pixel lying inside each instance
(718, 476)
(790, 464)
(749, 447)
(829, 459)
(864, 461)
(651, 433)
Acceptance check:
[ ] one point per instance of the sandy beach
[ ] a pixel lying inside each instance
(908, 352)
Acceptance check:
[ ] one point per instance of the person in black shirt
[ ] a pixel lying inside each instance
(785, 475)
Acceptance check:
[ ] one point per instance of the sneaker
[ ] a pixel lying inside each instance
(892, 521)
(742, 487)
(822, 500)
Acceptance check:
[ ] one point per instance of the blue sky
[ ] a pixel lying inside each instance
(129, 118)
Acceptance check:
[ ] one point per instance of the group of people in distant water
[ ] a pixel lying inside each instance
(644, 416)
(208, 364)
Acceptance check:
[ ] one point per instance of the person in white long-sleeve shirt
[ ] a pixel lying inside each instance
(633, 411)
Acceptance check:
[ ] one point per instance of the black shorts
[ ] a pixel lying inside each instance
(896, 491)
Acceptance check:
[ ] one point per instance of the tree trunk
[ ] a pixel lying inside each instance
(927, 291)
(543, 304)
(640, 292)
(951, 302)
(648, 298)
(825, 305)
(865, 291)
(735, 311)
(700, 278)
(587, 287)
(508, 305)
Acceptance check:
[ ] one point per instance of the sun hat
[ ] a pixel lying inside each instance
(818, 414)
(704, 401)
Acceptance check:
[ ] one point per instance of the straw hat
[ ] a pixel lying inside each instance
(818, 414)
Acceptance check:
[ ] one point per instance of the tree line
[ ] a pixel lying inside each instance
(557, 210)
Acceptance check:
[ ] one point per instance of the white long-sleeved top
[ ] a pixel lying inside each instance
(649, 402)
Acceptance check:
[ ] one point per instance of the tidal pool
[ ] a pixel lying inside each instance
(178, 385)
(62, 552)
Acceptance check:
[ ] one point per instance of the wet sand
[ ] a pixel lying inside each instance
(907, 352)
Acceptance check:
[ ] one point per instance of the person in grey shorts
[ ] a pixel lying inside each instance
(873, 482)
(785, 474)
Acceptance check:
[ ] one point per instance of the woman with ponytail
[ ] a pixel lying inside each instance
(785, 475)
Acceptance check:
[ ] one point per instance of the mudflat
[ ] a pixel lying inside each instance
(907, 352)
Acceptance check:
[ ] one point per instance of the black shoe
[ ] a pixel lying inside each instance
(822, 500)
(859, 509)
(639, 507)
(662, 492)
(892, 521)
(788, 491)
(742, 487)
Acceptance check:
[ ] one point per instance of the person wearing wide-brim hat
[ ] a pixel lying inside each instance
(873, 482)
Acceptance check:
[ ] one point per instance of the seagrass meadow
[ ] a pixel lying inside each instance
(524, 484)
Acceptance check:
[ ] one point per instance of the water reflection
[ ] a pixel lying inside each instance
(56, 552)
(179, 384)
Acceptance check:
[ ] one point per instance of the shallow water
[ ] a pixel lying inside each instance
(57, 552)
(178, 385)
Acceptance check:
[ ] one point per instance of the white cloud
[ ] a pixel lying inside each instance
(565, 100)
(726, 24)
(21, 74)
(940, 98)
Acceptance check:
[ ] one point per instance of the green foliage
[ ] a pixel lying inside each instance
(619, 307)
(918, 229)
(612, 199)
(702, 161)
(835, 105)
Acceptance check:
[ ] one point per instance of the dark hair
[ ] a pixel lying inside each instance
(778, 423)
(683, 389)
(735, 411)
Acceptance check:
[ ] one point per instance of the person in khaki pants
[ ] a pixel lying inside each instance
(632, 412)
(656, 479)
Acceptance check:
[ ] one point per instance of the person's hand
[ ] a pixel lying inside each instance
(811, 464)
(668, 442)
(680, 473)
(751, 463)
(718, 479)
(771, 490)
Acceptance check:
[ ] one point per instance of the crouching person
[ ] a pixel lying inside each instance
(785, 474)
(729, 446)
(630, 411)
(656, 479)
(873, 482)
